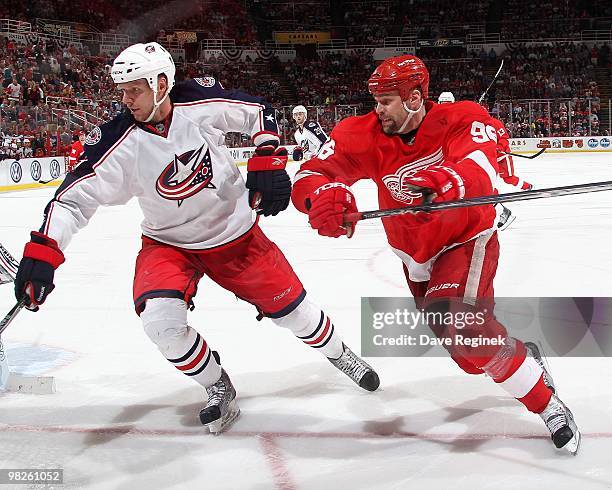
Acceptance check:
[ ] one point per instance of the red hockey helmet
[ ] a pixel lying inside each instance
(401, 74)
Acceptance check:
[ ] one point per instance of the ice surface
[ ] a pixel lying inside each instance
(122, 418)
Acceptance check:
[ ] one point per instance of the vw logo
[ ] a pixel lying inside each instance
(35, 170)
(55, 169)
(16, 171)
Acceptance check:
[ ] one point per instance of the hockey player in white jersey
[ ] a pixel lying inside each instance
(309, 135)
(168, 151)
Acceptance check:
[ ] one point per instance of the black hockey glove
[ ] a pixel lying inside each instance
(298, 153)
(34, 280)
(267, 180)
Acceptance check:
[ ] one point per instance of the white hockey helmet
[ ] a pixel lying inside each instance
(446, 98)
(299, 109)
(146, 61)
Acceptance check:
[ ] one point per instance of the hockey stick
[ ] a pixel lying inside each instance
(567, 190)
(5, 322)
(11, 381)
(39, 385)
(484, 94)
(530, 157)
(10, 316)
(8, 266)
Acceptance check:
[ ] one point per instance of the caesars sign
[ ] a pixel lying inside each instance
(302, 37)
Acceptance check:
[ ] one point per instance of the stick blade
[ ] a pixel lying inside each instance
(34, 385)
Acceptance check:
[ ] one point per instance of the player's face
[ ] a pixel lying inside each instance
(299, 118)
(138, 97)
(390, 111)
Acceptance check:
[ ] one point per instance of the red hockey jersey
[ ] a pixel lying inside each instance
(76, 150)
(459, 135)
(504, 161)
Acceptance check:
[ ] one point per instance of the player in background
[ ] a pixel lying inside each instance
(167, 151)
(417, 150)
(506, 170)
(309, 135)
(76, 150)
(504, 161)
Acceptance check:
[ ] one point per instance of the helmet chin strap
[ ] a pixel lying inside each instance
(410, 114)
(156, 104)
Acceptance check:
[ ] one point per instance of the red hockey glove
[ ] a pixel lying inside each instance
(41, 256)
(326, 208)
(438, 183)
(267, 180)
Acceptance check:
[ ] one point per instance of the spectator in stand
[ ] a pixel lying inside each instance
(14, 91)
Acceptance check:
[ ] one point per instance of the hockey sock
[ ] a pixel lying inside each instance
(313, 327)
(519, 375)
(165, 322)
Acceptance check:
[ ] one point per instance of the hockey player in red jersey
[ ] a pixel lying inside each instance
(415, 149)
(76, 150)
(168, 150)
(505, 160)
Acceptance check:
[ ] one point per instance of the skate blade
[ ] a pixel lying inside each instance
(573, 445)
(508, 222)
(218, 426)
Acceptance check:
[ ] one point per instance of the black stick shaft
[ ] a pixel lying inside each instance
(483, 200)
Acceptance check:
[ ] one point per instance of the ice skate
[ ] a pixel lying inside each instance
(534, 351)
(356, 369)
(221, 411)
(560, 422)
(505, 218)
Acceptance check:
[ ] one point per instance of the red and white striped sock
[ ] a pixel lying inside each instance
(313, 327)
(519, 375)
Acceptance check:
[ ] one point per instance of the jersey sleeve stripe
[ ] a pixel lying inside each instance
(480, 159)
(219, 100)
(305, 173)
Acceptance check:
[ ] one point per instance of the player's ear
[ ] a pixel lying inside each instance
(415, 99)
(162, 84)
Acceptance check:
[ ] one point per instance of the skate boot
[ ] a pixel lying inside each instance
(505, 218)
(534, 351)
(221, 410)
(560, 422)
(356, 369)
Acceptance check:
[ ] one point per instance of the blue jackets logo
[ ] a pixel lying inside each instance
(186, 175)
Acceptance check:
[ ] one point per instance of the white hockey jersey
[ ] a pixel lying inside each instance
(310, 138)
(187, 183)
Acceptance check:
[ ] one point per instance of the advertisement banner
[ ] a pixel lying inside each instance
(302, 37)
(561, 144)
(185, 37)
(30, 173)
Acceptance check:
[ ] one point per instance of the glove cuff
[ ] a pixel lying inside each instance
(43, 248)
(452, 175)
(331, 185)
(272, 162)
